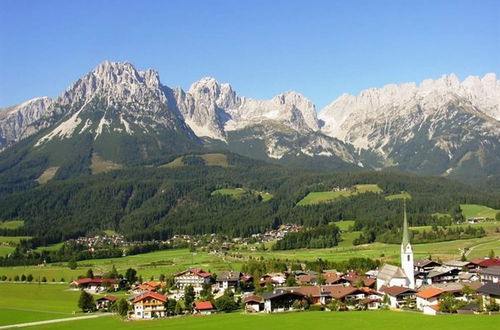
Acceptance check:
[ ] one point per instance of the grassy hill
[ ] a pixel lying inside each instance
(478, 211)
(328, 196)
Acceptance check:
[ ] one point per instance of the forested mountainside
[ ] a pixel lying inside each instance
(157, 202)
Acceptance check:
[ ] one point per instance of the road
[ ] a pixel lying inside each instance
(31, 324)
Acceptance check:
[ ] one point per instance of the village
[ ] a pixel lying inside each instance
(427, 286)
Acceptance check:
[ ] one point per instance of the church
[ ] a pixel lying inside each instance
(404, 276)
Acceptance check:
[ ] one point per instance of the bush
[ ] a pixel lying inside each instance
(315, 308)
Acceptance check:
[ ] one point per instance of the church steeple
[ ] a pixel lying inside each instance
(406, 235)
(407, 252)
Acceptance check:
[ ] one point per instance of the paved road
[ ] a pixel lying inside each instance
(30, 324)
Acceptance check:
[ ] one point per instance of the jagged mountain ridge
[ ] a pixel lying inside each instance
(443, 127)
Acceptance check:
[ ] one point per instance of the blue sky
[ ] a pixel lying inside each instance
(318, 48)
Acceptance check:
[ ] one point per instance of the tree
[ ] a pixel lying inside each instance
(72, 263)
(29, 278)
(113, 273)
(449, 304)
(122, 307)
(171, 304)
(90, 273)
(290, 281)
(44, 279)
(206, 292)
(491, 255)
(469, 293)
(178, 309)
(23, 278)
(189, 296)
(131, 275)
(86, 302)
(226, 303)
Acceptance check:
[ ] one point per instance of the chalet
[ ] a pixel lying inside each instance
(425, 266)
(442, 274)
(484, 263)
(227, 280)
(460, 265)
(277, 278)
(104, 303)
(490, 292)
(195, 277)
(253, 303)
(280, 300)
(149, 305)
(204, 308)
(490, 274)
(399, 296)
(333, 278)
(94, 285)
(354, 279)
(468, 277)
(307, 279)
(428, 297)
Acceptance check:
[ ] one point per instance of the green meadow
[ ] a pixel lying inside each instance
(328, 196)
(398, 196)
(478, 211)
(14, 224)
(234, 192)
(374, 320)
(147, 265)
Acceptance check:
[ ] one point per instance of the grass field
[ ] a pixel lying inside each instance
(374, 320)
(344, 225)
(387, 252)
(234, 192)
(25, 302)
(100, 165)
(5, 250)
(214, 159)
(47, 175)
(147, 265)
(14, 224)
(52, 247)
(477, 211)
(398, 196)
(328, 196)
(489, 226)
(13, 239)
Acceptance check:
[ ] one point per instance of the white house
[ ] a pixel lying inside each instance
(149, 305)
(195, 277)
(428, 297)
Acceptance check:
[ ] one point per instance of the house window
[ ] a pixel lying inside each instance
(408, 257)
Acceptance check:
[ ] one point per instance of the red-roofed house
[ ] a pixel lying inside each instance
(195, 277)
(253, 303)
(94, 285)
(204, 308)
(149, 305)
(428, 297)
(399, 296)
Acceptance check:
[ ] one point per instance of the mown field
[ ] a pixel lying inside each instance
(389, 252)
(375, 320)
(328, 196)
(237, 192)
(147, 265)
(478, 211)
(214, 159)
(13, 224)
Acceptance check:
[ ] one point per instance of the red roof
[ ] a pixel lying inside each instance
(395, 290)
(429, 293)
(150, 294)
(203, 305)
(197, 271)
(489, 262)
(252, 298)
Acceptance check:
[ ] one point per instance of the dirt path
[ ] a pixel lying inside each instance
(30, 324)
